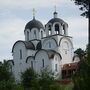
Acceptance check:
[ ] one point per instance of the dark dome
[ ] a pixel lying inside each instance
(56, 20)
(34, 24)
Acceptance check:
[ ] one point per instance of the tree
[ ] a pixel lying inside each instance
(80, 53)
(81, 78)
(5, 74)
(29, 79)
(85, 7)
(46, 79)
(42, 81)
(6, 78)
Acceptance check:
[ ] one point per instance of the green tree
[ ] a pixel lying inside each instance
(29, 79)
(46, 79)
(81, 78)
(6, 78)
(80, 53)
(85, 7)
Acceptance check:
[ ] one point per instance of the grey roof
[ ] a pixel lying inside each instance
(34, 24)
(39, 46)
(51, 54)
(53, 20)
(28, 45)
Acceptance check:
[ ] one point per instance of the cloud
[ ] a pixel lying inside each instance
(11, 30)
(78, 29)
(28, 4)
(14, 14)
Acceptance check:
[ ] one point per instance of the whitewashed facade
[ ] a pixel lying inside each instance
(44, 46)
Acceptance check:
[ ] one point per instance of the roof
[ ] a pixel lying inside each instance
(70, 66)
(53, 20)
(34, 24)
(28, 45)
(39, 46)
(51, 53)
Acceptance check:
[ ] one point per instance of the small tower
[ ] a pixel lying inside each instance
(55, 13)
(34, 29)
(56, 26)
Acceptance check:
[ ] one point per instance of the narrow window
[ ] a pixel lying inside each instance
(20, 54)
(49, 45)
(27, 35)
(32, 64)
(42, 62)
(35, 34)
(41, 34)
(57, 28)
(55, 67)
(63, 29)
(49, 28)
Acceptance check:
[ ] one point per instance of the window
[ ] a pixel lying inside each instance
(55, 67)
(63, 31)
(27, 35)
(35, 34)
(41, 34)
(49, 45)
(32, 64)
(49, 28)
(20, 54)
(42, 62)
(57, 28)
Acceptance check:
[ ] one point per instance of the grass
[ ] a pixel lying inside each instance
(67, 87)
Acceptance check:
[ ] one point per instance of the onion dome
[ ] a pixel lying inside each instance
(56, 19)
(34, 24)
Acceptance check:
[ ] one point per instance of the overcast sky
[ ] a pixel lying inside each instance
(14, 14)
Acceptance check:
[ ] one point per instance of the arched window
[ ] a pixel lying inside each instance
(27, 35)
(42, 62)
(63, 31)
(49, 29)
(65, 47)
(20, 54)
(49, 44)
(41, 34)
(56, 69)
(35, 34)
(57, 28)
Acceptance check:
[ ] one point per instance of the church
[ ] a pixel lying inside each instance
(44, 46)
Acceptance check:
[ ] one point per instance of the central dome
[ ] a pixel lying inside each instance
(34, 24)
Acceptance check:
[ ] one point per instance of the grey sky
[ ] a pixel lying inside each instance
(14, 14)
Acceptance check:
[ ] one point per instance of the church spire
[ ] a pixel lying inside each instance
(34, 13)
(55, 13)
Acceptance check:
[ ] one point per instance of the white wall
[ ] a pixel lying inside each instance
(66, 50)
(19, 64)
(38, 60)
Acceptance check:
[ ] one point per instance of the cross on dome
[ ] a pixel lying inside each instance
(55, 8)
(34, 13)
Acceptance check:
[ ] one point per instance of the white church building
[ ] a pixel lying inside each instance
(45, 46)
